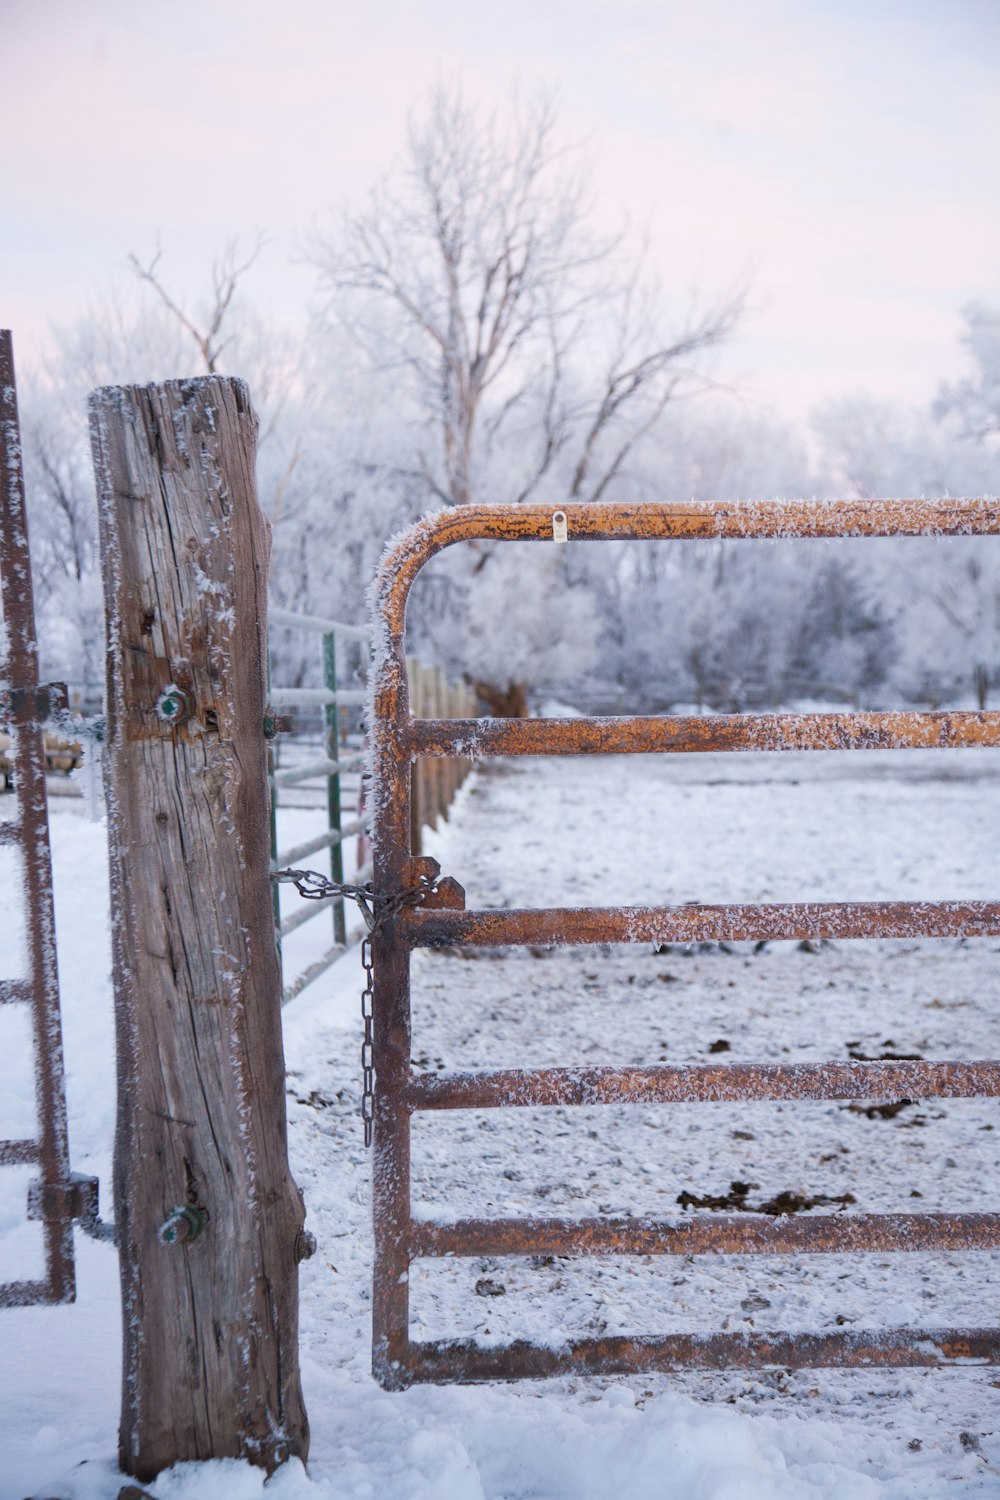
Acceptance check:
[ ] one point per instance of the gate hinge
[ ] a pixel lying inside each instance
(276, 724)
(35, 704)
(76, 1198)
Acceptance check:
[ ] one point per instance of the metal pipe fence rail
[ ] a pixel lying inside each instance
(331, 766)
(437, 918)
(434, 791)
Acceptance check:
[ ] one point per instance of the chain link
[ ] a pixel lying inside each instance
(368, 1045)
(315, 886)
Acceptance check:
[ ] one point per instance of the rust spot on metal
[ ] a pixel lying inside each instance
(702, 1083)
(447, 895)
(688, 924)
(892, 1348)
(442, 921)
(727, 1234)
(958, 1349)
(641, 735)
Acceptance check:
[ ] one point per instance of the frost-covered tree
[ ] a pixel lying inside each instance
(131, 338)
(527, 357)
(946, 601)
(111, 343)
(943, 596)
(975, 399)
(474, 275)
(700, 621)
(873, 448)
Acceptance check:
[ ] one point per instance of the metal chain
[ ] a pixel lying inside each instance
(315, 886)
(368, 1045)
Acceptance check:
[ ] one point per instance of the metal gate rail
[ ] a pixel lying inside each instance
(441, 920)
(55, 1197)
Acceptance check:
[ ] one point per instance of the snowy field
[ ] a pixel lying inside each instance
(668, 829)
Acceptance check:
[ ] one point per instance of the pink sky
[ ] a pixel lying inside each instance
(843, 155)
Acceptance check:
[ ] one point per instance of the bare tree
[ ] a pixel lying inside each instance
(474, 274)
(62, 494)
(138, 338)
(223, 326)
(227, 271)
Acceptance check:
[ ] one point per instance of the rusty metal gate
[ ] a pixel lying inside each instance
(428, 912)
(56, 1196)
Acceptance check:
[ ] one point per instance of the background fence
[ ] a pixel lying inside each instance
(323, 749)
(435, 782)
(317, 764)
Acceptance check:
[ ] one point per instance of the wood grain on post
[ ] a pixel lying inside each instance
(209, 1219)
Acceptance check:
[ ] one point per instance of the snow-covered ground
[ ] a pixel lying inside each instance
(588, 832)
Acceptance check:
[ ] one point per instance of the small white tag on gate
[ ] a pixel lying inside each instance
(559, 531)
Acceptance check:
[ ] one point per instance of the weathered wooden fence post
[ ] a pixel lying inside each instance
(209, 1219)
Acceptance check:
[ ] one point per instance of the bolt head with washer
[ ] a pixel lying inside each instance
(174, 706)
(182, 1224)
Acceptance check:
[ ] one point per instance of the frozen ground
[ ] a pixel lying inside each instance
(591, 832)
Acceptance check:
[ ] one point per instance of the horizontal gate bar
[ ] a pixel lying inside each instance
(640, 736)
(15, 991)
(288, 697)
(311, 846)
(666, 1083)
(318, 625)
(674, 520)
(566, 926)
(316, 768)
(313, 971)
(465, 1360)
(305, 914)
(726, 1234)
(19, 1153)
(28, 1294)
(321, 841)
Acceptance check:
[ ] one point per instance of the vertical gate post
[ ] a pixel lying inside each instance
(28, 830)
(209, 1219)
